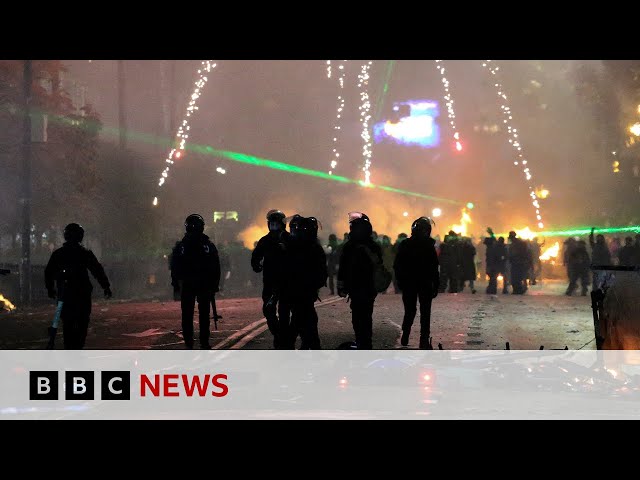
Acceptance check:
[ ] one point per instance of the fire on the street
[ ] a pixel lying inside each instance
(7, 303)
(551, 253)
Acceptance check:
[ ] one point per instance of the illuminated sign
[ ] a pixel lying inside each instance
(412, 123)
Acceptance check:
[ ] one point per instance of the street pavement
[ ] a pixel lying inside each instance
(542, 317)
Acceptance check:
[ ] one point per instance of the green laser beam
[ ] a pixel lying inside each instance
(385, 89)
(286, 167)
(238, 157)
(576, 232)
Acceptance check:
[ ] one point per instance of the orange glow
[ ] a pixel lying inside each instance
(525, 233)
(252, 234)
(465, 220)
(7, 303)
(551, 252)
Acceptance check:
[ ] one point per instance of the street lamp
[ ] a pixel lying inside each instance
(436, 212)
(635, 129)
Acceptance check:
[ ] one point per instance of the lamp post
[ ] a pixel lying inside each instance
(25, 262)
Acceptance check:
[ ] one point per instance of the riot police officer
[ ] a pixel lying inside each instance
(305, 274)
(66, 278)
(356, 276)
(416, 267)
(195, 274)
(268, 258)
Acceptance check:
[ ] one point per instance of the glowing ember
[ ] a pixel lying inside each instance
(551, 252)
(7, 303)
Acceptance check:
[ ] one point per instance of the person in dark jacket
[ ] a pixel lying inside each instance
(195, 275)
(356, 277)
(626, 255)
(268, 258)
(520, 263)
(333, 260)
(491, 264)
(416, 268)
(578, 263)
(450, 258)
(536, 263)
(305, 274)
(600, 255)
(67, 279)
(394, 251)
(468, 264)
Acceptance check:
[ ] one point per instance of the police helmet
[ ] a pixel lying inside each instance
(422, 226)
(194, 223)
(276, 220)
(73, 233)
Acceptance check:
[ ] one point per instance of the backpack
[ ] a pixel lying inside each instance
(381, 276)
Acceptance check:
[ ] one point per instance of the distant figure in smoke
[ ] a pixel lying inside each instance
(615, 247)
(450, 262)
(67, 270)
(520, 263)
(636, 251)
(333, 260)
(627, 253)
(268, 258)
(600, 255)
(225, 264)
(306, 274)
(195, 275)
(401, 237)
(356, 277)
(536, 267)
(468, 270)
(416, 267)
(578, 263)
(491, 263)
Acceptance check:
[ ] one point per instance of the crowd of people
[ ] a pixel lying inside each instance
(295, 265)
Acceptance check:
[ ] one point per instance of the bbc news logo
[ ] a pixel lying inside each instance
(116, 385)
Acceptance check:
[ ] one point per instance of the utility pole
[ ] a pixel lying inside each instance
(25, 265)
(121, 103)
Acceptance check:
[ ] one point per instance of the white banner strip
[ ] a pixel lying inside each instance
(327, 384)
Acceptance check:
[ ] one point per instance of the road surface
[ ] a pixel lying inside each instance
(542, 317)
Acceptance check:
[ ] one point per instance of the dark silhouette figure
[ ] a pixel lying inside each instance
(416, 268)
(195, 275)
(268, 258)
(520, 261)
(394, 251)
(468, 264)
(536, 266)
(67, 280)
(578, 263)
(356, 277)
(600, 255)
(306, 273)
(450, 262)
(388, 255)
(626, 255)
(333, 260)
